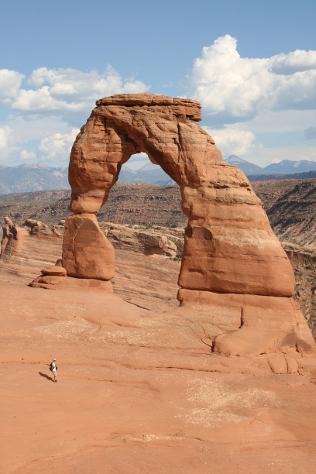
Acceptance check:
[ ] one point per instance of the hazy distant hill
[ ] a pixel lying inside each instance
(247, 167)
(290, 167)
(148, 173)
(284, 167)
(153, 174)
(19, 179)
(277, 177)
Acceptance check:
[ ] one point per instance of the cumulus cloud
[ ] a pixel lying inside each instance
(34, 127)
(295, 61)
(7, 144)
(42, 100)
(232, 140)
(71, 89)
(28, 156)
(5, 133)
(233, 88)
(10, 82)
(265, 155)
(47, 106)
(46, 140)
(57, 146)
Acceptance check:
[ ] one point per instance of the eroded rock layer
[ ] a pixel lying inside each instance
(229, 246)
(87, 253)
(11, 237)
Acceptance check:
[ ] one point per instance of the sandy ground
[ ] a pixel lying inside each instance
(138, 390)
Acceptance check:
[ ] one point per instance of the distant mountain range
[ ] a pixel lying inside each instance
(20, 179)
(148, 173)
(247, 167)
(284, 167)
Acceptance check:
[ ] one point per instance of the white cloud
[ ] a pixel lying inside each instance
(32, 140)
(7, 145)
(295, 61)
(47, 106)
(272, 121)
(32, 128)
(28, 156)
(10, 82)
(71, 89)
(42, 100)
(232, 140)
(56, 147)
(232, 87)
(265, 156)
(21, 137)
(137, 161)
(252, 95)
(5, 133)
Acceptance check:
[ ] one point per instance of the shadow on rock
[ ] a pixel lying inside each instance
(46, 376)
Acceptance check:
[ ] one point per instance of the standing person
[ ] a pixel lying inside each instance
(53, 368)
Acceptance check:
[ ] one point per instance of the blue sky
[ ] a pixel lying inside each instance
(251, 64)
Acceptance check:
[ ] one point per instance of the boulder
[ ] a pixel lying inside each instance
(168, 247)
(51, 282)
(55, 270)
(87, 253)
(12, 237)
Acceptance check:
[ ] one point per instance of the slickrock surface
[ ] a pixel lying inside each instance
(229, 246)
(139, 389)
(225, 382)
(159, 205)
(144, 240)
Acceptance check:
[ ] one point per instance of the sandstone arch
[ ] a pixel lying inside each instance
(229, 244)
(231, 255)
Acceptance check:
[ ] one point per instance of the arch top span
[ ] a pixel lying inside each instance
(180, 106)
(164, 128)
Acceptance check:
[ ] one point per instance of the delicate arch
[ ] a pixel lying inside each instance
(229, 245)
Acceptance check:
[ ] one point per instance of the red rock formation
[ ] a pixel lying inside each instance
(229, 246)
(87, 253)
(11, 237)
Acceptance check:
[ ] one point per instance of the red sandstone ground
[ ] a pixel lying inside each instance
(138, 390)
